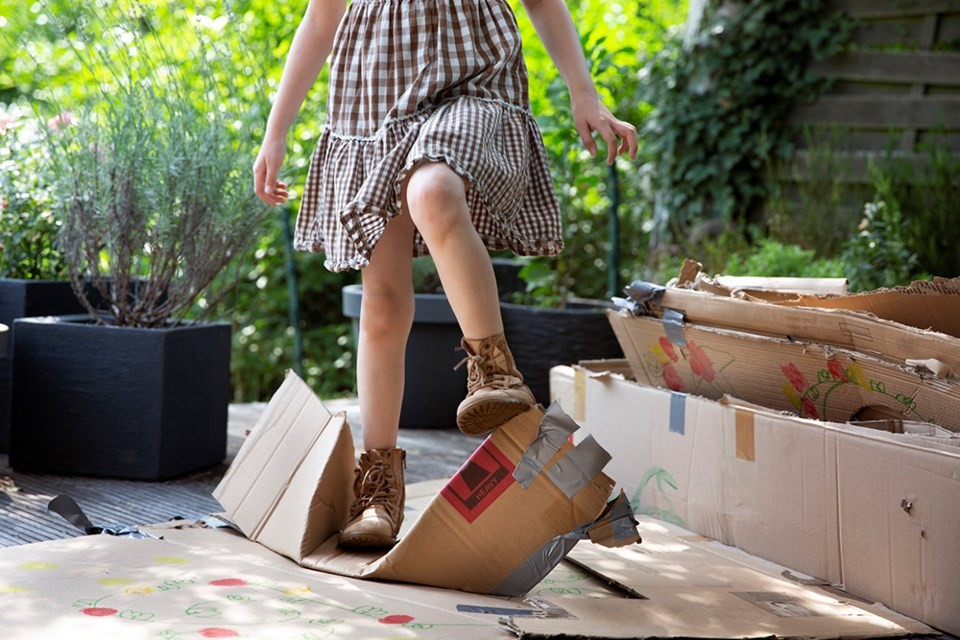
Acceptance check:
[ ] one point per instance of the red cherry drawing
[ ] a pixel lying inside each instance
(228, 582)
(396, 620)
(98, 612)
(213, 632)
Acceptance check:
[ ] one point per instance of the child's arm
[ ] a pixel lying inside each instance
(553, 23)
(308, 53)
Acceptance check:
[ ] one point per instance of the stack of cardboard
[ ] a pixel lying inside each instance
(818, 431)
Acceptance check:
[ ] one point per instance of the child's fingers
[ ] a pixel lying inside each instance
(586, 135)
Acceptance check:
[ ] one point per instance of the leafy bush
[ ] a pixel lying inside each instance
(721, 103)
(28, 228)
(878, 256)
(775, 259)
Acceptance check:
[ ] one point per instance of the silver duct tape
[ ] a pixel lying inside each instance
(641, 294)
(555, 428)
(673, 327)
(576, 469)
(623, 526)
(541, 562)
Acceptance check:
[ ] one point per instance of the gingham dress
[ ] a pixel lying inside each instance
(414, 80)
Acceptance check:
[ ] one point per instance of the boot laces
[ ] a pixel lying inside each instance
(482, 371)
(377, 487)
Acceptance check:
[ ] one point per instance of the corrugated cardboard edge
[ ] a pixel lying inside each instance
(847, 328)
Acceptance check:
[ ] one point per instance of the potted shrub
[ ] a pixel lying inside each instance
(150, 186)
(33, 275)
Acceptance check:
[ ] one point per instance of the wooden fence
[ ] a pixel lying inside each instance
(897, 87)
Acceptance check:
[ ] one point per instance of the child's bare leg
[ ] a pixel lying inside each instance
(386, 316)
(437, 200)
(437, 203)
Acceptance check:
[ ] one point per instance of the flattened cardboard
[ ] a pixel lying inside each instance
(289, 489)
(810, 379)
(694, 588)
(869, 510)
(838, 327)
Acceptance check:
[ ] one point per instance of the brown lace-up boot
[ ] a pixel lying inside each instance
(377, 509)
(495, 389)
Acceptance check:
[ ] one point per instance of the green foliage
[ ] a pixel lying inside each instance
(149, 177)
(616, 36)
(721, 102)
(28, 227)
(878, 256)
(774, 259)
(927, 195)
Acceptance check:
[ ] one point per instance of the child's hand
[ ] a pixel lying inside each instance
(592, 116)
(265, 169)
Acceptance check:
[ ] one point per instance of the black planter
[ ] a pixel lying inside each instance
(542, 338)
(21, 299)
(432, 389)
(145, 404)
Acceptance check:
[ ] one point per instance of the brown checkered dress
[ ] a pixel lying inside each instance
(414, 80)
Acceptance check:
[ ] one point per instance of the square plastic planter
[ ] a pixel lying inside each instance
(20, 299)
(146, 404)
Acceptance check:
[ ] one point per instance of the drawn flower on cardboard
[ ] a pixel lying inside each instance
(700, 362)
(795, 376)
(792, 396)
(856, 375)
(808, 409)
(836, 369)
(672, 377)
(664, 351)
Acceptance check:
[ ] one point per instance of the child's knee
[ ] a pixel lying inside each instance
(386, 313)
(436, 196)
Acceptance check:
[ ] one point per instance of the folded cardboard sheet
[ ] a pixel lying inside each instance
(199, 582)
(872, 511)
(289, 489)
(809, 378)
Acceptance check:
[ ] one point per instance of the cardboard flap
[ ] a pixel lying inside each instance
(271, 491)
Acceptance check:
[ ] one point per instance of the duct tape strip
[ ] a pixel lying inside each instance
(616, 526)
(574, 471)
(541, 562)
(68, 509)
(746, 445)
(555, 428)
(678, 412)
(673, 327)
(640, 296)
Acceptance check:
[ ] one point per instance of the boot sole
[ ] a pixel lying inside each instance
(485, 417)
(365, 541)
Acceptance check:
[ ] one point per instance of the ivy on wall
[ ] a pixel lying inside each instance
(721, 102)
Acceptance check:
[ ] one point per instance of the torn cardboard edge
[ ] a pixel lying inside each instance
(290, 488)
(839, 327)
(924, 304)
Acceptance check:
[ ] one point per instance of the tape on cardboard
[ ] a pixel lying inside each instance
(555, 428)
(745, 444)
(611, 528)
(673, 327)
(579, 394)
(616, 526)
(641, 294)
(678, 412)
(574, 471)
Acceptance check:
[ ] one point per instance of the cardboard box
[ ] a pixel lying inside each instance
(198, 582)
(811, 379)
(289, 489)
(872, 511)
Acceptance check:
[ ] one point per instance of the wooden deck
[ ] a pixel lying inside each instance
(431, 454)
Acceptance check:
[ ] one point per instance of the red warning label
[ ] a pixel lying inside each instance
(486, 475)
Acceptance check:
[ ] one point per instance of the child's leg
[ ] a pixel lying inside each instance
(386, 315)
(437, 203)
